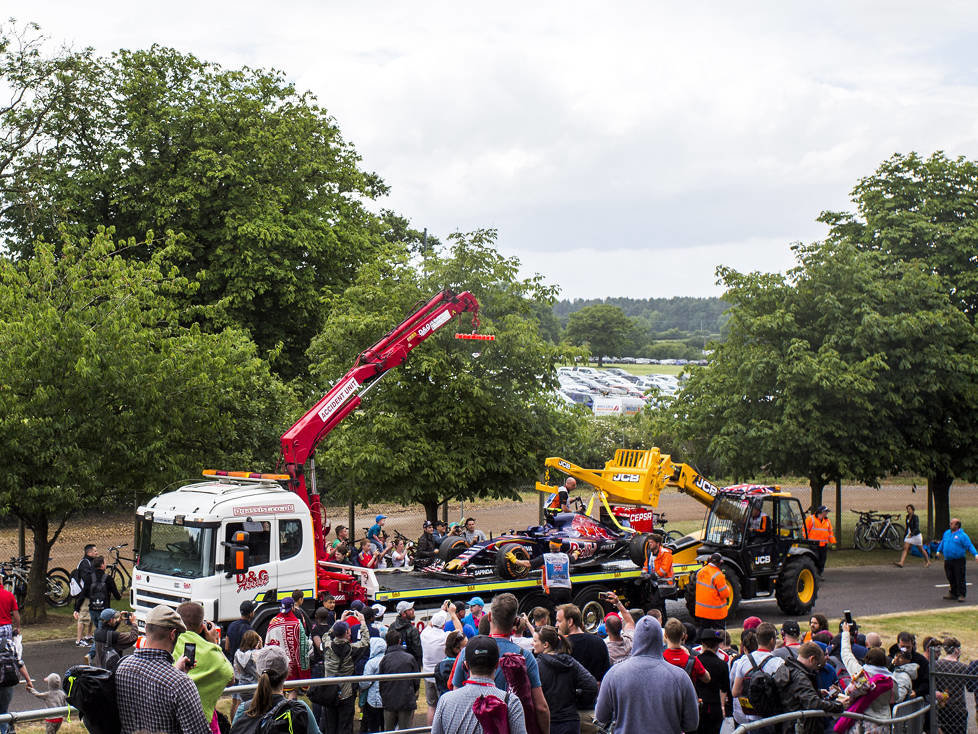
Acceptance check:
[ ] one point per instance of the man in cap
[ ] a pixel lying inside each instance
(475, 612)
(791, 640)
(455, 715)
(556, 568)
(819, 528)
(661, 579)
(212, 671)
(339, 659)
(375, 534)
(714, 692)
(404, 624)
(441, 531)
(426, 549)
(712, 594)
(433, 650)
(109, 642)
(286, 631)
(752, 623)
(153, 693)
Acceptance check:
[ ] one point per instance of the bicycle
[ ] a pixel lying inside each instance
(16, 571)
(659, 526)
(117, 570)
(874, 528)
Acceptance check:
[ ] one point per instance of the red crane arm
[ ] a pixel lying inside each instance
(300, 441)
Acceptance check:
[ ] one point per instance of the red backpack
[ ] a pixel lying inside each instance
(492, 714)
(513, 665)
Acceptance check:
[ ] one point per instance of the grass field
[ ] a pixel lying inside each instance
(648, 369)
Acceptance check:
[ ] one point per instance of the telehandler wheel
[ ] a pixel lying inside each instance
(638, 548)
(733, 583)
(451, 547)
(797, 586)
(507, 570)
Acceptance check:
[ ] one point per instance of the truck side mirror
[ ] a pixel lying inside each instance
(240, 559)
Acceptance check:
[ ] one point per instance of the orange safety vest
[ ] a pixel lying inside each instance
(712, 593)
(820, 530)
(662, 564)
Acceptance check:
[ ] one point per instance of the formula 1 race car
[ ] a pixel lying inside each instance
(588, 539)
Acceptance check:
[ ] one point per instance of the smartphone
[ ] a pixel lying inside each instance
(190, 652)
(848, 616)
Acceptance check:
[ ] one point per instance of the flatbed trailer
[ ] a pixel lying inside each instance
(429, 591)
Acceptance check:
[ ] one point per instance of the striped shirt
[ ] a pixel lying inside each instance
(454, 714)
(155, 696)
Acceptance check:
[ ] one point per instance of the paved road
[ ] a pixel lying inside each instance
(863, 590)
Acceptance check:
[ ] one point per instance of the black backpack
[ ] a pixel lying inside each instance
(9, 664)
(762, 690)
(285, 717)
(91, 690)
(100, 590)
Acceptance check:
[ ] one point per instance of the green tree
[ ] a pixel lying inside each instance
(923, 210)
(605, 329)
(459, 420)
(819, 368)
(104, 396)
(255, 175)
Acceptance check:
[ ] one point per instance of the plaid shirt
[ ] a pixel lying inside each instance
(155, 696)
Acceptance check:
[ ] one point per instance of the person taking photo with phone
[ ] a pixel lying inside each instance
(211, 671)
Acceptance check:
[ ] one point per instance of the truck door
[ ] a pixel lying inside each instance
(261, 577)
(761, 538)
(297, 563)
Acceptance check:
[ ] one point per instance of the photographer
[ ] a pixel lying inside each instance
(110, 642)
(339, 659)
(212, 671)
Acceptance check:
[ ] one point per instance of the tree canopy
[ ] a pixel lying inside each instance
(104, 396)
(256, 177)
(603, 328)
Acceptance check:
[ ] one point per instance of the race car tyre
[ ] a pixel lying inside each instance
(638, 548)
(506, 569)
(537, 599)
(591, 606)
(797, 586)
(451, 547)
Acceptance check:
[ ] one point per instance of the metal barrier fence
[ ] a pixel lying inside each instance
(65, 711)
(894, 724)
(950, 683)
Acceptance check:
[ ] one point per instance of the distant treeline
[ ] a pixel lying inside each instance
(659, 315)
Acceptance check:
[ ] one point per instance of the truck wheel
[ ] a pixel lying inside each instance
(452, 547)
(263, 615)
(733, 583)
(537, 599)
(638, 548)
(591, 606)
(797, 586)
(507, 570)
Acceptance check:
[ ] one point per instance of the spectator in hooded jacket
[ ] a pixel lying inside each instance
(400, 697)
(339, 659)
(624, 697)
(372, 706)
(566, 683)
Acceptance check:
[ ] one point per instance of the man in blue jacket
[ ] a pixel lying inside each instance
(954, 546)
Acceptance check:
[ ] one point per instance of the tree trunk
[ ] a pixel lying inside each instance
(940, 487)
(600, 360)
(431, 505)
(817, 484)
(36, 607)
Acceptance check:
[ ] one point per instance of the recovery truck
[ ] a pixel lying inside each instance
(758, 529)
(245, 535)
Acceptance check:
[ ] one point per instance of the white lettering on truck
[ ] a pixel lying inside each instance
(262, 510)
(336, 402)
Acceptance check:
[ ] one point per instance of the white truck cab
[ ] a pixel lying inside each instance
(183, 541)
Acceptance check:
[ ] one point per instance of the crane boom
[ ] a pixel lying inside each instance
(300, 441)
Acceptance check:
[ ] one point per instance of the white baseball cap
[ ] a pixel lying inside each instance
(403, 606)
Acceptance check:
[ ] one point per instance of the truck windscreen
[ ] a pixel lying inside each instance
(176, 550)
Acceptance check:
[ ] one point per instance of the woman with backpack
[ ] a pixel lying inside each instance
(566, 684)
(245, 673)
(269, 710)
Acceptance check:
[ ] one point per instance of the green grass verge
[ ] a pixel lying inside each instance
(647, 369)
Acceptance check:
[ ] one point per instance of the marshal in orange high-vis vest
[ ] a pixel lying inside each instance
(819, 529)
(712, 593)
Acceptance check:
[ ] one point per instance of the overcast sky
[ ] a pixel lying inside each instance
(621, 149)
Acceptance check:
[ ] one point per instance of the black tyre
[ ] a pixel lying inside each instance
(863, 538)
(537, 599)
(505, 568)
(893, 537)
(58, 592)
(797, 586)
(452, 547)
(638, 548)
(592, 608)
